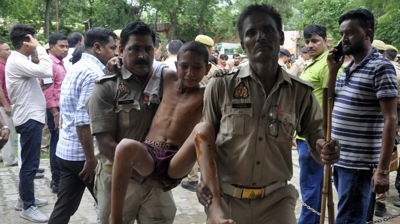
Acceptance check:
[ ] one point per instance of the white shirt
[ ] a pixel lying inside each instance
(171, 63)
(67, 63)
(23, 87)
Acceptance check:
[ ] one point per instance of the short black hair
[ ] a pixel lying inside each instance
(100, 35)
(235, 55)
(77, 54)
(74, 38)
(18, 34)
(196, 47)
(364, 17)
(223, 56)
(56, 37)
(313, 29)
(2, 42)
(390, 54)
(263, 8)
(174, 46)
(212, 59)
(137, 28)
(216, 51)
(157, 42)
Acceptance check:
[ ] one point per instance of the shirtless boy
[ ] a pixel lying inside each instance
(158, 157)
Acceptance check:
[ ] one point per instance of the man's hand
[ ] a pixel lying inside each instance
(44, 86)
(32, 41)
(114, 64)
(8, 110)
(220, 72)
(4, 137)
(88, 170)
(329, 151)
(380, 183)
(204, 194)
(153, 182)
(332, 64)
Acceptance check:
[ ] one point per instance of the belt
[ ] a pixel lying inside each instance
(107, 167)
(161, 144)
(251, 193)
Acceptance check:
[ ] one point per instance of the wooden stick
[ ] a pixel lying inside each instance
(327, 182)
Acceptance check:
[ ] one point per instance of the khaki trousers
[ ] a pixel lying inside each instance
(277, 208)
(143, 203)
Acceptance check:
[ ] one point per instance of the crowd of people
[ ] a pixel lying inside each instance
(128, 122)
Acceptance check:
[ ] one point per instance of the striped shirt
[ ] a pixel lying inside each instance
(357, 120)
(75, 90)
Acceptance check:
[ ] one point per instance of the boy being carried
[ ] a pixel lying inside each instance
(171, 130)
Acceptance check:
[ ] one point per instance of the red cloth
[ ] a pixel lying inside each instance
(3, 81)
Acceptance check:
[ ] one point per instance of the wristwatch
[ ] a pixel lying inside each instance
(383, 172)
(5, 127)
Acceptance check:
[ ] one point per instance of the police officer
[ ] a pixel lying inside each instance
(122, 105)
(255, 113)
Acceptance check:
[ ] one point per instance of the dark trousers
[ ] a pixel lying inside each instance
(54, 166)
(31, 136)
(70, 191)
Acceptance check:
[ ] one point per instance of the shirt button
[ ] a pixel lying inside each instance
(260, 139)
(258, 162)
(254, 184)
(263, 116)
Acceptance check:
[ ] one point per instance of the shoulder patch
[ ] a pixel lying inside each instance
(106, 77)
(295, 78)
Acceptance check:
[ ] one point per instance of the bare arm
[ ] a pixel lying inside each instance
(3, 133)
(86, 139)
(333, 71)
(107, 144)
(380, 182)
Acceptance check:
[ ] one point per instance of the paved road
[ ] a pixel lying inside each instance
(189, 210)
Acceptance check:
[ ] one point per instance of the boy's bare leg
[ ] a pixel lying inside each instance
(128, 154)
(202, 139)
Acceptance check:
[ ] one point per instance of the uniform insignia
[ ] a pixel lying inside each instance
(124, 88)
(241, 91)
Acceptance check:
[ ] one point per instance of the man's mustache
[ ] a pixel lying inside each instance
(142, 62)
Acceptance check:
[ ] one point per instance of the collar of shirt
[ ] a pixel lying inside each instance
(369, 56)
(246, 71)
(55, 59)
(2, 63)
(94, 60)
(17, 54)
(325, 54)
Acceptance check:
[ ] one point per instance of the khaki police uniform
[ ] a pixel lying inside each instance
(117, 104)
(254, 142)
(298, 67)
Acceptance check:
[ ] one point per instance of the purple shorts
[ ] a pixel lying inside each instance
(162, 158)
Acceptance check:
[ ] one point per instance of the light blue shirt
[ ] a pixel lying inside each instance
(75, 90)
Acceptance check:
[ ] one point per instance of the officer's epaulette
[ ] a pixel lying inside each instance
(295, 78)
(106, 77)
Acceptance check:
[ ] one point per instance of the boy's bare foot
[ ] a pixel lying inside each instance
(218, 218)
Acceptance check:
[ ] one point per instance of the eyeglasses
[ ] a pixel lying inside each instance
(274, 126)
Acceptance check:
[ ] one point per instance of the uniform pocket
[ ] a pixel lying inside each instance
(124, 113)
(238, 120)
(286, 123)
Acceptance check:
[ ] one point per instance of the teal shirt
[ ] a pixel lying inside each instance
(317, 74)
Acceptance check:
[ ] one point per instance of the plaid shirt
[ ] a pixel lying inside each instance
(75, 90)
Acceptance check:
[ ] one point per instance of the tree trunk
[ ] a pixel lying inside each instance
(201, 27)
(155, 20)
(47, 20)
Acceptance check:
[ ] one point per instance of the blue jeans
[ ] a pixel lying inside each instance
(31, 137)
(54, 166)
(311, 177)
(354, 192)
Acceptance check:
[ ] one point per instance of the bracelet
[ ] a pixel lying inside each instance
(383, 172)
(5, 127)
